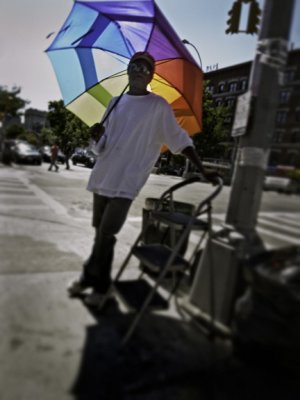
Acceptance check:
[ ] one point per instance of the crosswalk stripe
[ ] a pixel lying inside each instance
(291, 220)
(278, 225)
(10, 207)
(24, 194)
(57, 207)
(284, 238)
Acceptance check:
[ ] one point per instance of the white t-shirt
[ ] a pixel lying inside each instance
(135, 131)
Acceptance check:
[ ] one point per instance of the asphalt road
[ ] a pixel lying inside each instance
(45, 234)
(278, 221)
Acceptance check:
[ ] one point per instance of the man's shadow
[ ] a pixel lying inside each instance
(167, 359)
(161, 359)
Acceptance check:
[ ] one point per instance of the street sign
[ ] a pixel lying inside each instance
(242, 113)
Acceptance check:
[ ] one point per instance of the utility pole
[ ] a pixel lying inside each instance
(255, 142)
(213, 292)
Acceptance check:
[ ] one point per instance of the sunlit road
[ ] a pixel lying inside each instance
(64, 192)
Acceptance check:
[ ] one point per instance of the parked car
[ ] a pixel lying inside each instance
(170, 170)
(61, 157)
(46, 154)
(281, 185)
(26, 153)
(78, 157)
(90, 159)
(84, 157)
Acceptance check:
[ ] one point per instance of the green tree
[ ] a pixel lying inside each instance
(65, 126)
(11, 103)
(15, 131)
(214, 132)
(47, 136)
(209, 142)
(30, 137)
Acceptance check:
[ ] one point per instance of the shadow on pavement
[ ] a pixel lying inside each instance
(168, 359)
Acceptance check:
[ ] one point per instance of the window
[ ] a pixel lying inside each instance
(233, 87)
(291, 158)
(243, 85)
(230, 103)
(295, 138)
(218, 102)
(277, 136)
(228, 120)
(274, 157)
(284, 97)
(210, 89)
(289, 76)
(221, 87)
(281, 117)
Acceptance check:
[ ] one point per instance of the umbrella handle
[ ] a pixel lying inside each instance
(98, 129)
(114, 105)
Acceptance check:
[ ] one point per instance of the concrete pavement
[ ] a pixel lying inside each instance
(56, 348)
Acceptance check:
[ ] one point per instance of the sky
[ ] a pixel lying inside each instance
(25, 24)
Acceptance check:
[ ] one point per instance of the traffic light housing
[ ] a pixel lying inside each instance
(254, 18)
(234, 18)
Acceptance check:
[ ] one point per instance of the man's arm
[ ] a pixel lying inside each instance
(190, 153)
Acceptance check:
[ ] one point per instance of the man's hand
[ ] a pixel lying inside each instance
(96, 131)
(191, 154)
(211, 176)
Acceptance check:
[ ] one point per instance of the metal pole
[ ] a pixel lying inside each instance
(254, 146)
(249, 173)
(185, 41)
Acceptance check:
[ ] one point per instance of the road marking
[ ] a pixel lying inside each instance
(10, 207)
(134, 219)
(291, 219)
(45, 198)
(279, 225)
(284, 238)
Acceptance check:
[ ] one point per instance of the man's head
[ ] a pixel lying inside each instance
(140, 70)
(145, 56)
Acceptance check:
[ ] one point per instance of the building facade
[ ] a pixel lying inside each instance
(35, 120)
(228, 83)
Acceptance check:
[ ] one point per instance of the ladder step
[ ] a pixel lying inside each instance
(133, 294)
(156, 256)
(179, 220)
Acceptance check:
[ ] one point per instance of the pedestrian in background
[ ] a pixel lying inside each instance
(128, 145)
(68, 151)
(54, 154)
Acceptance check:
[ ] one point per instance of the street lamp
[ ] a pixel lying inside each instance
(195, 48)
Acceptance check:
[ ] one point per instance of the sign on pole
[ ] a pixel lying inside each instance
(241, 116)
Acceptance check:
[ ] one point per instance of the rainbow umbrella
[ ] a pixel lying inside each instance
(91, 51)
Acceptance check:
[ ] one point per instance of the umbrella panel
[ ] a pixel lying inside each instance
(91, 105)
(94, 46)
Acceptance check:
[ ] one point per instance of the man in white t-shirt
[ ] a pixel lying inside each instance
(130, 140)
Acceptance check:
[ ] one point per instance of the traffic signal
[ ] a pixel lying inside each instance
(234, 21)
(254, 18)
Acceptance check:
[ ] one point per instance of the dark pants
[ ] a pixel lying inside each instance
(53, 164)
(109, 215)
(67, 162)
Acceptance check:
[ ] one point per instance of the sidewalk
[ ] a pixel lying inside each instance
(53, 347)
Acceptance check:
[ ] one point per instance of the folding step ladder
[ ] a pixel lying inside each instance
(164, 257)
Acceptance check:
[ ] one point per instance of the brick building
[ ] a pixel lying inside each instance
(227, 83)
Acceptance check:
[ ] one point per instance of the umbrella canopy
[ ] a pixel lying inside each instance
(91, 52)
